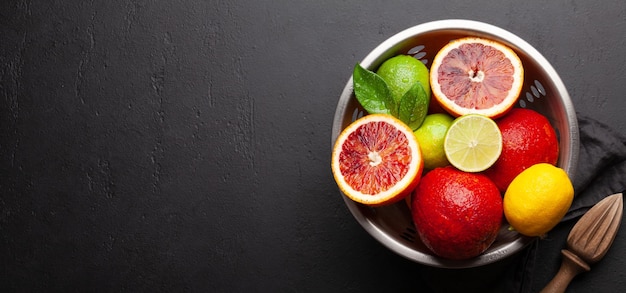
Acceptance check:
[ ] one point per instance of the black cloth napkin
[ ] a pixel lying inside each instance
(601, 171)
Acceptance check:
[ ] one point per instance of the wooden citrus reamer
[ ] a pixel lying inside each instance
(588, 241)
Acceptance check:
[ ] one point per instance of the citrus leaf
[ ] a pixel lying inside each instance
(414, 106)
(372, 92)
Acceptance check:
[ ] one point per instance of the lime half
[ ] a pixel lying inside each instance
(473, 143)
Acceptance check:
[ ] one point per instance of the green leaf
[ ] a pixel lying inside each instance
(413, 106)
(372, 92)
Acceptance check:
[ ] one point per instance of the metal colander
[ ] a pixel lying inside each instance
(543, 91)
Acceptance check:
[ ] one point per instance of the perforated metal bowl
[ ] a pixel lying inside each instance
(543, 91)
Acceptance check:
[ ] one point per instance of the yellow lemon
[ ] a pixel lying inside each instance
(537, 199)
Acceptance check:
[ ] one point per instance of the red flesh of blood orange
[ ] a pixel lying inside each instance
(376, 160)
(475, 75)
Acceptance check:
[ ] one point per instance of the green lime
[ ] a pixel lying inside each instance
(431, 136)
(473, 143)
(401, 73)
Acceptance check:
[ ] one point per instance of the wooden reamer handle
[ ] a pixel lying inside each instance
(571, 266)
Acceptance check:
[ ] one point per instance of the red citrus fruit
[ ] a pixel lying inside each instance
(528, 138)
(476, 75)
(376, 160)
(457, 214)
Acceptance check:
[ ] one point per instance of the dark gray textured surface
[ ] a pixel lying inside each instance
(185, 145)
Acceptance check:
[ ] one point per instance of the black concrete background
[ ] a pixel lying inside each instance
(184, 145)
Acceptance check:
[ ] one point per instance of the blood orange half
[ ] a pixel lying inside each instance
(476, 75)
(376, 160)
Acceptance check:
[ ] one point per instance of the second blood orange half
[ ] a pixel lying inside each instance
(476, 76)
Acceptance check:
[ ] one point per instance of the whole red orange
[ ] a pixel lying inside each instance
(528, 138)
(457, 214)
